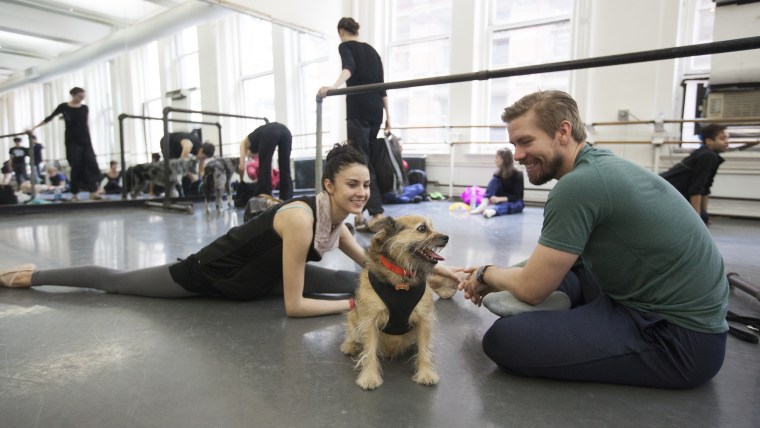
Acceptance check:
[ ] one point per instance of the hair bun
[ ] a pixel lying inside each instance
(349, 24)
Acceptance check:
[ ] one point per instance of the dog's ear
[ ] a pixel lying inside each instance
(389, 226)
(386, 228)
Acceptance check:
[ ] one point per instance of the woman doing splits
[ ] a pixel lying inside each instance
(256, 258)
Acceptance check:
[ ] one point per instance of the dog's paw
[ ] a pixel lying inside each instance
(426, 377)
(369, 381)
(444, 287)
(349, 348)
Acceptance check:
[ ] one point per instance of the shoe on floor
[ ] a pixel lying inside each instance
(8, 276)
(489, 212)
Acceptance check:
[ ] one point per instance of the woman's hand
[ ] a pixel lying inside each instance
(497, 199)
(388, 126)
(323, 91)
(448, 272)
(473, 289)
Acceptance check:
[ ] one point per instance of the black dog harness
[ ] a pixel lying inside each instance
(400, 303)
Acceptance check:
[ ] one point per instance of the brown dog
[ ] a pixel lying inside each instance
(394, 307)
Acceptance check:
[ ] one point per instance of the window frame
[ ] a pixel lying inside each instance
(424, 140)
(494, 28)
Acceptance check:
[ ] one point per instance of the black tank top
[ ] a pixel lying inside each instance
(245, 263)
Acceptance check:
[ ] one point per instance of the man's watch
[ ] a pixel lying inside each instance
(480, 273)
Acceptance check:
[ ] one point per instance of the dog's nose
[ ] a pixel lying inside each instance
(445, 238)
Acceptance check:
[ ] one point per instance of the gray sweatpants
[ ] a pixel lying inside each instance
(157, 281)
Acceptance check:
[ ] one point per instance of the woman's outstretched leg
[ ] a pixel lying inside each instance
(149, 282)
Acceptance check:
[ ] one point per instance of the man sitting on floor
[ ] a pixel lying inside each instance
(625, 285)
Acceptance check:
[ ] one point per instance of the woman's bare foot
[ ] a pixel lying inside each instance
(17, 277)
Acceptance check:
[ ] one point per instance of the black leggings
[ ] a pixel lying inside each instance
(363, 133)
(84, 167)
(275, 138)
(157, 281)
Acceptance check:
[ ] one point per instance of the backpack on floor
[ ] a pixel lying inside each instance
(257, 205)
(244, 192)
(385, 157)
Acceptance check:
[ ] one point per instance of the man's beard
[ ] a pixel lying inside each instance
(549, 170)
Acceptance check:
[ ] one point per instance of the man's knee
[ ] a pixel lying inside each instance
(502, 344)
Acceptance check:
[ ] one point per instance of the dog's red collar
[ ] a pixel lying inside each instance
(398, 270)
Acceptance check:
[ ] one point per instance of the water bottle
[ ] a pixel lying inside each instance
(57, 194)
(473, 198)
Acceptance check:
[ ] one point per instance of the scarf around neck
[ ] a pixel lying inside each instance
(325, 237)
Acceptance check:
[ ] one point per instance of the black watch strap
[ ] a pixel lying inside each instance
(479, 275)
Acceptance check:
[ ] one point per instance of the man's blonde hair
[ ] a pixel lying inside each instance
(551, 109)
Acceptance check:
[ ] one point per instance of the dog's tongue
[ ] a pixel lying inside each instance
(433, 255)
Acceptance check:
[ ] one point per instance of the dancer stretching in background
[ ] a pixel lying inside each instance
(85, 173)
(266, 255)
(504, 194)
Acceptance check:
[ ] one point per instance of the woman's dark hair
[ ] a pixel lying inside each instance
(711, 131)
(339, 157)
(208, 149)
(113, 162)
(76, 90)
(348, 24)
(507, 168)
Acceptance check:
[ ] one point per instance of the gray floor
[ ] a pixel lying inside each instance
(79, 358)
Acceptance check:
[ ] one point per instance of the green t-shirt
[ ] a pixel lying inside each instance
(644, 244)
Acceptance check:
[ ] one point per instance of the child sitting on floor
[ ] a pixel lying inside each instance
(504, 194)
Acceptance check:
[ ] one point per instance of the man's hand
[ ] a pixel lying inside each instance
(473, 290)
(497, 199)
(323, 91)
(388, 126)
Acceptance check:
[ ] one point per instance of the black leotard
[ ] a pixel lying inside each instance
(245, 263)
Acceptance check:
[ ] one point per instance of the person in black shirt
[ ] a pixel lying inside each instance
(38, 160)
(18, 156)
(261, 143)
(7, 173)
(85, 173)
(364, 112)
(57, 179)
(111, 179)
(183, 144)
(504, 194)
(694, 175)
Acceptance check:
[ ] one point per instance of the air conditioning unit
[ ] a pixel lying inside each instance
(732, 104)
